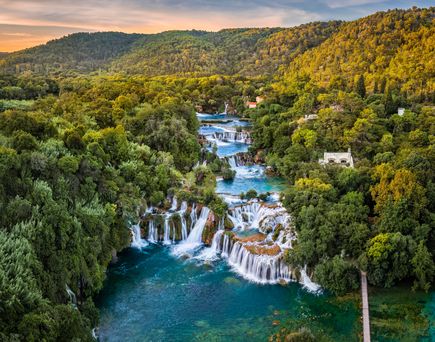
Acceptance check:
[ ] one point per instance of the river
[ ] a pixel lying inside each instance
(164, 289)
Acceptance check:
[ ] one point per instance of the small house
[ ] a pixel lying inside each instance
(310, 117)
(251, 105)
(340, 158)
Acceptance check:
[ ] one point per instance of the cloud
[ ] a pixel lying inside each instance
(350, 3)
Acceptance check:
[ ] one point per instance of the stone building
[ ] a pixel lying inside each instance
(340, 158)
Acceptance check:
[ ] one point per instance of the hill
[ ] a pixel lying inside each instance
(250, 52)
(397, 45)
(79, 52)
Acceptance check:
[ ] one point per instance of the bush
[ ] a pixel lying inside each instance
(250, 194)
(337, 275)
(228, 174)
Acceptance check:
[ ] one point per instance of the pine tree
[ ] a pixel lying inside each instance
(390, 106)
(375, 88)
(383, 85)
(361, 87)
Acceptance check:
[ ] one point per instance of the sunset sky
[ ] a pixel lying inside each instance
(25, 23)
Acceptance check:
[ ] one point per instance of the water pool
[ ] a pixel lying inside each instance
(151, 295)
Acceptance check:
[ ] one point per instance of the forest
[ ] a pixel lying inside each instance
(95, 127)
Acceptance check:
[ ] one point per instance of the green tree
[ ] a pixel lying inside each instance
(361, 87)
(337, 275)
(423, 268)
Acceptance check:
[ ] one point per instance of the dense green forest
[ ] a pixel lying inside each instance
(193, 53)
(76, 53)
(83, 154)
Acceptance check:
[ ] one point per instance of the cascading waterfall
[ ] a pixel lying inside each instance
(195, 235)
(194, 240)
(246, 216)
(226, 108)
(255, 215)
(169, 232)
(259, 268)
(233, 136)
(137, 241)
(260, 235)
(192, 216)
(242, 171)
(166, 230)
(260, 258)
(211, 253)
(181, 212)
(307, 282)
(233, 163)
(152, 232)
(226, 246)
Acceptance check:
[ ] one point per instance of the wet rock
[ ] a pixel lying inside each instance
(232, 280)
(202, 324)
(114, 257)
(282, 282)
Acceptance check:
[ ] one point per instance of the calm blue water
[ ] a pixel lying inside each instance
(238, 185)
(153, 296)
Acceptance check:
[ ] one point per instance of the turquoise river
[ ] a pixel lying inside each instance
(153, 294)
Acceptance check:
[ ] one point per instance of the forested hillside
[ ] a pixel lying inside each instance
(76, 53)
(77, 169)
(246, 51)
(396, 45)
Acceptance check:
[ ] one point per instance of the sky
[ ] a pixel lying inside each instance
(26, 23)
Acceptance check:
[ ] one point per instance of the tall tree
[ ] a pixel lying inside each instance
(361, 87)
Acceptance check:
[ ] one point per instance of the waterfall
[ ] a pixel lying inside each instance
(94, 332)
(226, 246)
(259, 268)
(174, 204)
(166, 231)
(226, 108)
(192, 216)
(211, 253)
(231, 136)
(170, 233)
(233, 163)
(248, 216)
(152, 232)
(195, 236)
(137, 241)
(181, 212)
(194, 240)
(256, 215)
(307, 282)
(71, 295)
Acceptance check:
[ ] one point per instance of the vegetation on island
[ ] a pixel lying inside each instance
(95, 127)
